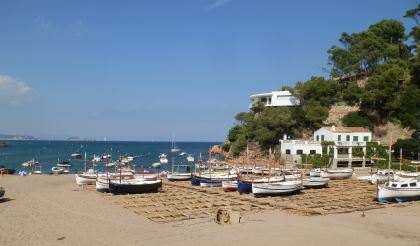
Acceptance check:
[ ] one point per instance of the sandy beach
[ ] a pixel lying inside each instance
(53, 210)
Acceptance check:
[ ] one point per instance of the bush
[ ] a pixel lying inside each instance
(356, 119)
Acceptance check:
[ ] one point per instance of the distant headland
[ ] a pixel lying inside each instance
(16, 137)
(81, 139)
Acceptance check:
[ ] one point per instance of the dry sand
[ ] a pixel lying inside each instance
(53, 210)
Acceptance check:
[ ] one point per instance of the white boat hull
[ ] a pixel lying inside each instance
(315, 182)
(279, 188)
(178, 176)
(102, 185)
(387, 194)
(230, 185)
(337, 173)
(80, 180)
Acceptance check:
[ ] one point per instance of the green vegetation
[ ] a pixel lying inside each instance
(410, 148)
(356, 119)
(377, 69)
(317, 160)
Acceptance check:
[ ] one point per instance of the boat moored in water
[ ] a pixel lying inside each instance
(57, 170)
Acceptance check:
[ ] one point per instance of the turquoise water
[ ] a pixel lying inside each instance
(48, 152)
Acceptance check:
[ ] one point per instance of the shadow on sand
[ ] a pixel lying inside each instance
(2, 200)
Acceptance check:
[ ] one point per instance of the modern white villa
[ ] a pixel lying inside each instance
(275, 99)
(346, 140)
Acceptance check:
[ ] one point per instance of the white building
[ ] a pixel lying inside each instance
(347, 134)
(346, 141)
(275, 99)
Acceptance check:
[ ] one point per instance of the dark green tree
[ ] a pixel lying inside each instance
(356, 119)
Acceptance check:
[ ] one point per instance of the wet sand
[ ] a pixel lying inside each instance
(53, 210)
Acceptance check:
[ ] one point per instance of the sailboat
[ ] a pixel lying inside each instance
(174, 148)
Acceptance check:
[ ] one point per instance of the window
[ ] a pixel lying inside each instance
(413, 184)
(322, 137)
(312, 152)
(299, 152)
(347, 137)
(355, 138)
(317, 137)
(287, 151)
(339, 137)
(366, 138)
(394, 185)
(404, 185)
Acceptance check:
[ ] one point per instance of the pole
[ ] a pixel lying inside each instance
(400, 159)
(389, 157)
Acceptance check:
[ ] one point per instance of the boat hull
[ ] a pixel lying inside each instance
(276, 189)
(316, 182)
(229, 186)
(7, 171)
(80, 180)
(244, 187)
(210, 182)
(102, 186)
(195, 180)
(388, 194)
(124, 188)
(337, 174)
(178, 177)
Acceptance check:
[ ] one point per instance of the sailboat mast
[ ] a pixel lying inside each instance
(85, 161)
(389, 156)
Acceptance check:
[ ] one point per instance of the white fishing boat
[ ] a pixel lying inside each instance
(337, 173)
(315, 182)
(177, 175)
(163, 158)
(182, 153)
(30, 163)
(88, 177)
(57, 170)
(102, 184)
(399, 191)
(76, 156)
(190, 158)
(106, 156)
(277, 188)
(37, 169)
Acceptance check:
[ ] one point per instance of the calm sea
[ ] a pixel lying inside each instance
(48, 152)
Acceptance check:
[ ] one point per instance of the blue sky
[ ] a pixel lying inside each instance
(140, 70)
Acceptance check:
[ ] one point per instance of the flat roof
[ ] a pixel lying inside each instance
(343, 129)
